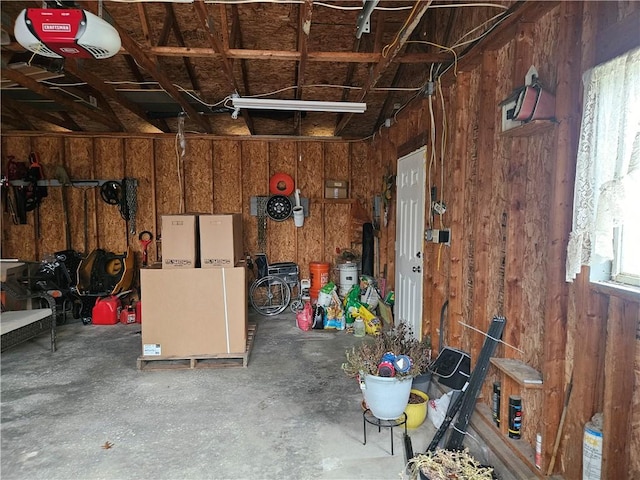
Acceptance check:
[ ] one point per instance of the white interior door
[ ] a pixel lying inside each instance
(410, 187)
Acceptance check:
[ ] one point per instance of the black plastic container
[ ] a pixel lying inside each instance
(496, 403)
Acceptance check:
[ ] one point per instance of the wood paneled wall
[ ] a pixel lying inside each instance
(509, 201)
(508, 207)
(216, 175)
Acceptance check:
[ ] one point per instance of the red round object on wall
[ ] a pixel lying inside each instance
(281, 184)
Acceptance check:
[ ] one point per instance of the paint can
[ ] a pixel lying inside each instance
(592, 449)
(515, 416)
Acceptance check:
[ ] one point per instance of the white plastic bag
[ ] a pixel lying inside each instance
(437, 409)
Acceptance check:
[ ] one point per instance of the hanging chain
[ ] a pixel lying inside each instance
(131, 193)
(262, 224)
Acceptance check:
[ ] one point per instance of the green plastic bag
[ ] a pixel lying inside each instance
(352, 304)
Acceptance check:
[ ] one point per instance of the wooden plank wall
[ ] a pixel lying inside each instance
(509, 207)
(214, 176)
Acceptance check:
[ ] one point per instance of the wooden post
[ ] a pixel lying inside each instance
(622, 324)
(555, 331)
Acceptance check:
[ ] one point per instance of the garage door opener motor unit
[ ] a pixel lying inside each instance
(66, 32)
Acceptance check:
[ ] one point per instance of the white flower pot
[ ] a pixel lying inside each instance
(387, 397)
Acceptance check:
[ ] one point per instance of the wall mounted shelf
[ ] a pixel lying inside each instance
(525, 375)
(534, 127)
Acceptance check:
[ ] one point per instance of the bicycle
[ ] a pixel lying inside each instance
(271, 292)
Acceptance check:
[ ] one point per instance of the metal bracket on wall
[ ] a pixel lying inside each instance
(56, 183)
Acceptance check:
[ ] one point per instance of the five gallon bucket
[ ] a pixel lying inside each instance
(348, 277)
(319, 273)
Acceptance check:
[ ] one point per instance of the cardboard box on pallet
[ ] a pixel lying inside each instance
(179, 241)
(221, 242)
(193, 312)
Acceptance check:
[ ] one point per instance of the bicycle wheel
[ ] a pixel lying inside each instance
(270, 295)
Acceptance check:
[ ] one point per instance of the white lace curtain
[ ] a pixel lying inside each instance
(608, 160)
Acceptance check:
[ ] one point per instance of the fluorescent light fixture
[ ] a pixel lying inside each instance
(298, 105)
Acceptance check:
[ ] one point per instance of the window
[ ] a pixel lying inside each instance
(606, 217)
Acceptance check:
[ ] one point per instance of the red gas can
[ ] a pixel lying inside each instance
(106, 311)
(128, 315)
(139, 312)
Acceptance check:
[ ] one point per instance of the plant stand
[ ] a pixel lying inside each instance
(367, 417)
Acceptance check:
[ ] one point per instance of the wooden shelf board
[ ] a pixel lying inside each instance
(525, 375)
(533, 127)
(516, 454)
(334, 200)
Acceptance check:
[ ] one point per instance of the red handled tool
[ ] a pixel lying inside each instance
(145, 238)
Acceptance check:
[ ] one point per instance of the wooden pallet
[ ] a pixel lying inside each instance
(220, 360)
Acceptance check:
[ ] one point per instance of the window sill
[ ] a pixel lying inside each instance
(626, 292)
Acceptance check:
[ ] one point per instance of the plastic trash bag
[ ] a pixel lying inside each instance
(437, 409)
(304, 318)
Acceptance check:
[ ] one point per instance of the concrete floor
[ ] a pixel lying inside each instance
(291, 414)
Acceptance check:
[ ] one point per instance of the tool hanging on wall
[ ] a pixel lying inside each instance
(124, 195)
(62, 177)
(145, 237)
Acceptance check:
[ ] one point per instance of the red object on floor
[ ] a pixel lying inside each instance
(128, 315)
(106, 311)
(139, 312)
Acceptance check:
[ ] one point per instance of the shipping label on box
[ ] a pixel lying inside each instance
(221, 242)
(336, 183)
(151, 349)
(179, 241)
(335, 192)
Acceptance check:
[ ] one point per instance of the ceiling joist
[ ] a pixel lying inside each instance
(153, 69)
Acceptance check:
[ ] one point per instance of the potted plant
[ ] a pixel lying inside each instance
(385, 366)
(443, 464)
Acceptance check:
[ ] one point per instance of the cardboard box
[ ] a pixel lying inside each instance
(336, 183)
(335, 192)
(193, 312)
(221, 240)
(179, 241)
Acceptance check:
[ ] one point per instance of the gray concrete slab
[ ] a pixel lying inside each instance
(291, 414)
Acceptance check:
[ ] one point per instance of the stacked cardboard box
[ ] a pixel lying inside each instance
(335, 189)
(196, 304)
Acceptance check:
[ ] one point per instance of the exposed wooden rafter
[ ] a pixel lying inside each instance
(304, 27)
(290, 55)
(227, 67)
(180, 40)
(389, 54)
(153, 68)
(31, 84)
(73, 67)
(25, 109)
(236, 38)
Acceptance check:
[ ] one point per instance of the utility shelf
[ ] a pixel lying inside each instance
(334, 200)
(525, 375)
(531, 128)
